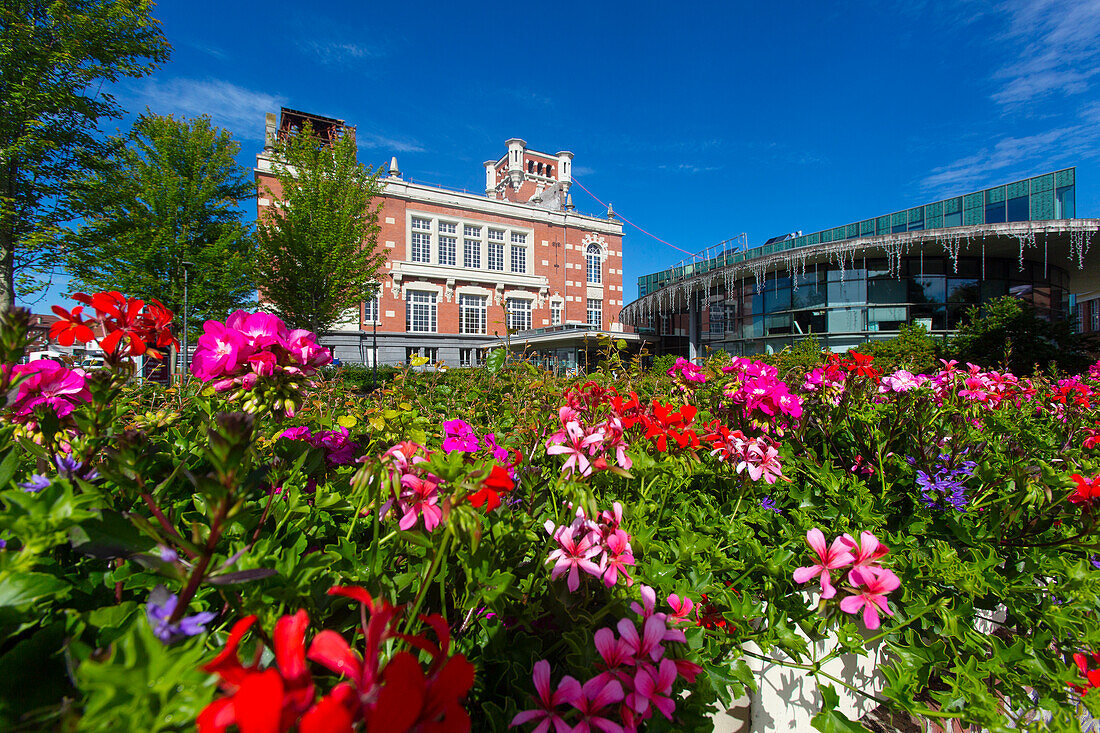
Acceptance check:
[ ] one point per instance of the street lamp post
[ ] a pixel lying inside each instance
(185, 344)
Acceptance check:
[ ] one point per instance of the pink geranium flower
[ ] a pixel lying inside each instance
(49, 383)
(596, 695)
(654, 687)
(572, 556)
(419, 498)
(458, 435)
(547, 713)
(866, 552)
(681, 608)
(873, 585)
(827, 559)
(618, 556)
(220, 351)
(573, 441)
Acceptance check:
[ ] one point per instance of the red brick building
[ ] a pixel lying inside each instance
(463, 268)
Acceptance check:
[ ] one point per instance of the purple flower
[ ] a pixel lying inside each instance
(167, 554)
(458, 435)
(946, 485)
(769, 503)
(37, 483)
(1095, 559)
(69, 467)
(160, 608)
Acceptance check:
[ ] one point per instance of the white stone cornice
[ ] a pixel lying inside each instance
(448, 272)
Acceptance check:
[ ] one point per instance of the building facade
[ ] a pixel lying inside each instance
(927, 264)
(467, 271)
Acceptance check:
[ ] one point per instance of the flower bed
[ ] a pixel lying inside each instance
(265, 549)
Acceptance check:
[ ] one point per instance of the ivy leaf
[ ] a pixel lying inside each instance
(829, 720)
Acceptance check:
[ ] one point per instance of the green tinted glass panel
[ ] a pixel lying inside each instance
(916, 214)
(867, 227)
(1015, 190)
(1042, 183)
(898, 219)
(853, 231)
(813, 238)
(1042, 205)
(995, 195)
(933, 222)
(933, 210)
(953, 206)
(827, 235)
(973, 201)
(973, 216)
(1064, 178)
(883, 224)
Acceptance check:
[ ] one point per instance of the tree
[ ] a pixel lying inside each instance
(167, 194)
(318, 254)
(55, 58)
(1008, 331)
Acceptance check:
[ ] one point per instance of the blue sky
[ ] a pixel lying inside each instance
(697, 121)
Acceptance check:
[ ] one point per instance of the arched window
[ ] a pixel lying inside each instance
(592, 260)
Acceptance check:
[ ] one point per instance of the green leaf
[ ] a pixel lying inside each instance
(23, 589)
(7, 468)
(495, 360)
(829, 720)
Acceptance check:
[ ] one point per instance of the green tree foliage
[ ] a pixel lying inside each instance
(167, 194)
(318, 254)
(1009, 331)
(55, 58)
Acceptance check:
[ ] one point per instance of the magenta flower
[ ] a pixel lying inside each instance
(650, 642)
(654, 687)
(500, 453)
(866, 552)
(828, 559)
(547, 713)
(688, 371)
(873, 585)
(618, 556)
(614, 652)
(573, 442)
(303, 346)
(259, 329)
(597, 694)
(572, 556)
(220, 351)
(419, 498)
(458, 435)
(49, 383)
(681, 608)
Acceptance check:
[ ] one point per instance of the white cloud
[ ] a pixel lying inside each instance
(583, 170)
(336, 53)
(236, 108)
(1057, 45)
(374, 141)
(1014, 156)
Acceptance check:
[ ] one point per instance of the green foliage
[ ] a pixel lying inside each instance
(1008, 331)
(993, 600)
(56, 58)
(913, 349)
(168, 193)
(318, 251)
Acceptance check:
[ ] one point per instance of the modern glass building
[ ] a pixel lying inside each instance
(926, 264)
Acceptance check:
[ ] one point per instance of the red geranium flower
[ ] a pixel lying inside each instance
(71, 327)
(496, 483)
(1087, 491)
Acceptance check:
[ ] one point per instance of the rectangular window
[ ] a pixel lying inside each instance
(1064, 201)
(519, 314)
(420, 249)
(496, 256)
(555, 313)
(370, 309)
(471, 313)
(471, 254)
(446, 250)
(420, 312)
(471, 357)
(592, 262)
(471, 231)
(422, 224)
(430, 353)
(496, 235)
(953, 220)
(519, 258)
(519, 238)
(447, 227)
(595, 313)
